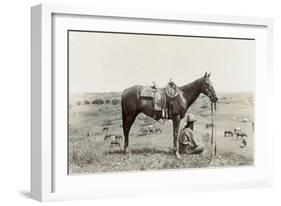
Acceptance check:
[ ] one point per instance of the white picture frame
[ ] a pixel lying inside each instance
(49, 181)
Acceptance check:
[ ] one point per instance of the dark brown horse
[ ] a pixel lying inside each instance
(133, 104)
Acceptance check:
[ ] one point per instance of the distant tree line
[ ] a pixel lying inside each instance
(99, 101)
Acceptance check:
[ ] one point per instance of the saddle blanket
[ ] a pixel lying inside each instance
(155, 94)
(148, 91)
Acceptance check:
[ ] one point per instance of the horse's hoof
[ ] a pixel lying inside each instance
(126, 151)
(178, 155)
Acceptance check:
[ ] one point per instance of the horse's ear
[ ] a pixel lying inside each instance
(209, 74)
(205, 75)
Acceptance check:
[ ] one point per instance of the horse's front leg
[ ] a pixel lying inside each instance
(176, 125)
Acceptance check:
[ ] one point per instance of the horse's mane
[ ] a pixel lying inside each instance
(191, 84)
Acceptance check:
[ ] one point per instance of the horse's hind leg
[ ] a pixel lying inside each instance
(129, 120)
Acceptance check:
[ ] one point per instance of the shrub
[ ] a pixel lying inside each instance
(86, 102)
(98, 101)
(107, 122)
(107, 101)
(78, 103)
(115, 101)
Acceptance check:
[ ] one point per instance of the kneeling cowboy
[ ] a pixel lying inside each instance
(188, 143)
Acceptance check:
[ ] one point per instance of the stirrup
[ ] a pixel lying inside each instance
(163, 114)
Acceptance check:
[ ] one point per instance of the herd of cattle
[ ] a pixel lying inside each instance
(115, 139)
(238, 132)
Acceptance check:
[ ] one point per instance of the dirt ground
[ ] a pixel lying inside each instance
(90, 153)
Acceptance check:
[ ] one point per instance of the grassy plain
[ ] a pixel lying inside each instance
(89, 153)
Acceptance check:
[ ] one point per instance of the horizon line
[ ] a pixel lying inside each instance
(83, 92)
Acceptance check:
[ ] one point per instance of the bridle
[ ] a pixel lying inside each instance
(210, 92)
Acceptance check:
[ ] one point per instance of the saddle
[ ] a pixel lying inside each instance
(162, 98)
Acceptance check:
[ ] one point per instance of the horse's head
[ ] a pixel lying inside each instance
(208, 89)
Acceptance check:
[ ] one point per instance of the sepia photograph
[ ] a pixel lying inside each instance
(141, 102)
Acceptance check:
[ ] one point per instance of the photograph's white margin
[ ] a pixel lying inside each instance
(41, 88)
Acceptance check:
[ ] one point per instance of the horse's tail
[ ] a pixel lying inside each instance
(123, 113)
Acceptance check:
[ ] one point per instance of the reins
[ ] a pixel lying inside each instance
(213, 136)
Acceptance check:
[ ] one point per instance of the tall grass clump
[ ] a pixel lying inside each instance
(86, 155)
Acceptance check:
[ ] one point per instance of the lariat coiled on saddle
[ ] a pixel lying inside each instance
(163, 99)
(171, 92)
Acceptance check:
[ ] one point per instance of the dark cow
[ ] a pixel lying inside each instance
(209, 125)
(241, 134)
(228, 133)
(105, 129)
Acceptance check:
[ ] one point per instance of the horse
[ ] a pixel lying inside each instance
(132, 104)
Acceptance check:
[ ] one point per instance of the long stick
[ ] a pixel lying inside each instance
(213, 138)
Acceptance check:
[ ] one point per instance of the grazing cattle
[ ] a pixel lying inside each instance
(144, 131)
(245, 120)
(158, 130)
(107, 137)
(209, 125)
(118, 137)
(228, 133)
(237, 130)
(241, 134)
(203, 115)
(105, 129)
(114, 143)
(244, 142)
(150, 129)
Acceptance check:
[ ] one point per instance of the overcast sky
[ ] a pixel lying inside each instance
(105, 62)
